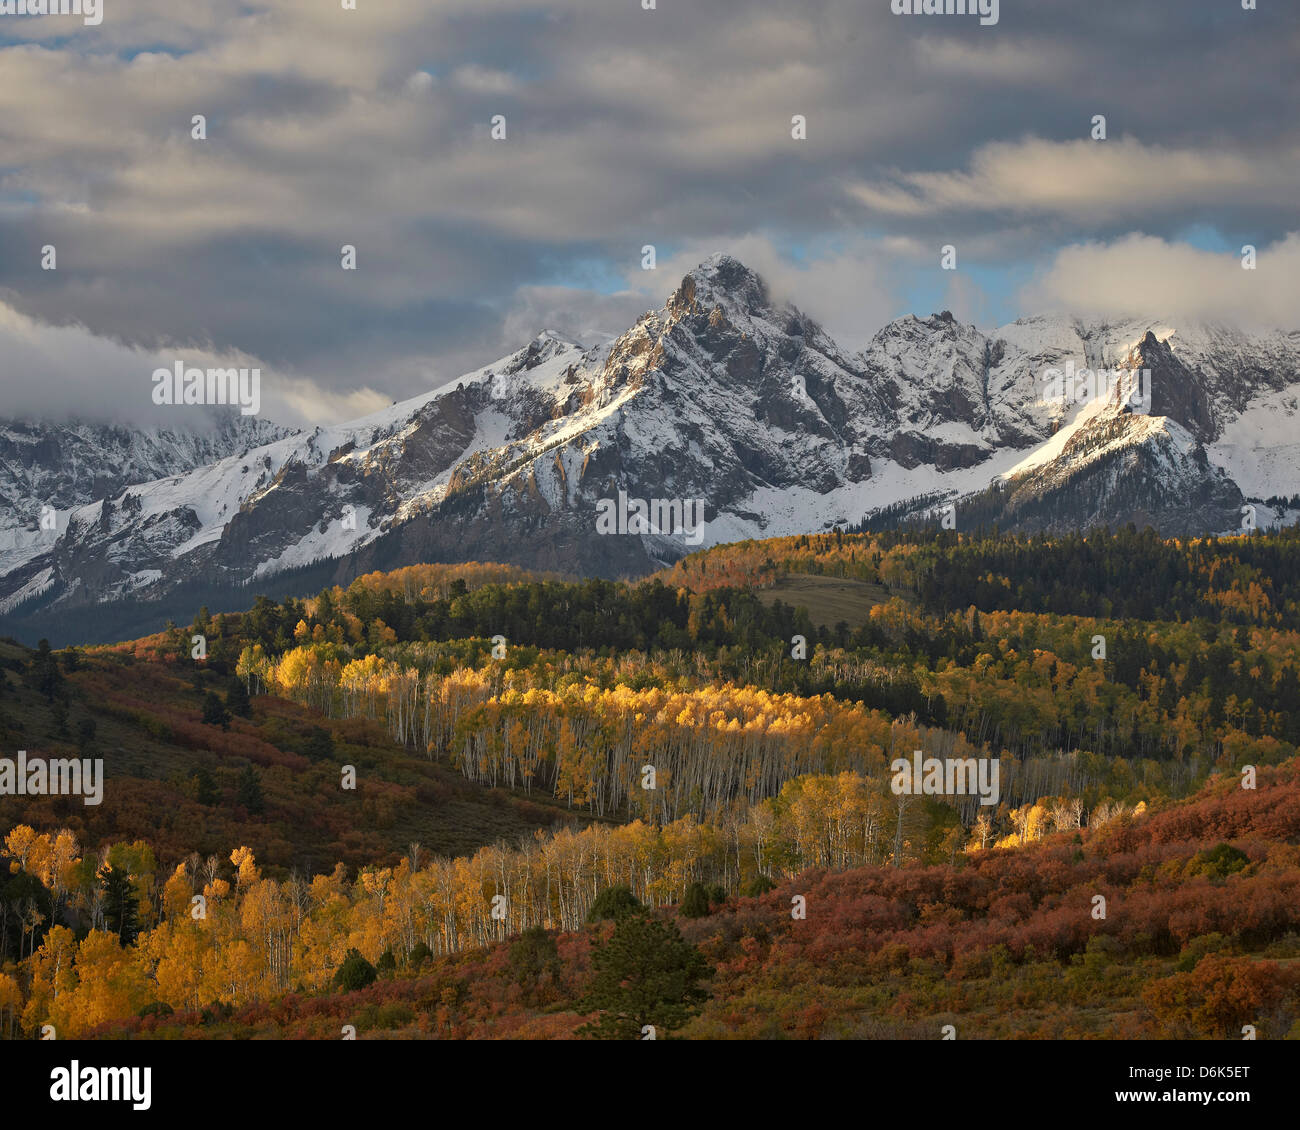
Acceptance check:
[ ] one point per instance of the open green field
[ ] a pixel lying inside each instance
(830, 599)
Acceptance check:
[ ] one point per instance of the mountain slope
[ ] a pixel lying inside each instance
(49, 470)
(723, 396)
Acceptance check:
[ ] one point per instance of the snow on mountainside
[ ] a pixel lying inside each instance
(65, 465)
(724, 396)
(49, 470)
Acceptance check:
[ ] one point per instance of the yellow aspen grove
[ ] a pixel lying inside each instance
(259, 936)
(11, 1006)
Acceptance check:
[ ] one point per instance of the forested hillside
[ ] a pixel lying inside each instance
(461, 801)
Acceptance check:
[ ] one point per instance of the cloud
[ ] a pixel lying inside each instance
(625, 127)
(1103, 180)
(584, 316)
(1029, 61)
(60, 373)
(484, 80)
(1141, 275)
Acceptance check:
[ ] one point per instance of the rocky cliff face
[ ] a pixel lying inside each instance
(723, 396)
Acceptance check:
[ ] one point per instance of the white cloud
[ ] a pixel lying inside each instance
(1098, 180)
(54, 372)
(1143, 275)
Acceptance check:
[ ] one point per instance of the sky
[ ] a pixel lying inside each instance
(624, 127)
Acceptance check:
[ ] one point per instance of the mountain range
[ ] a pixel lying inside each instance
(724, 395)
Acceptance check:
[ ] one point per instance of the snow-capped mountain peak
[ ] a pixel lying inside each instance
(721, 395)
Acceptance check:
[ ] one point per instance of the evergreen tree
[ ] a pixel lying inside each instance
(325, 611)
(355, 972)
(202, 625)
(248, 791)
(534, 955)
(237, 701)
(47, 679)
(319, 745)
(613, 903)
(645, 974)
(205, 786)
(121, 906)
(59, 713)
(695, 903)
(214, 712)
